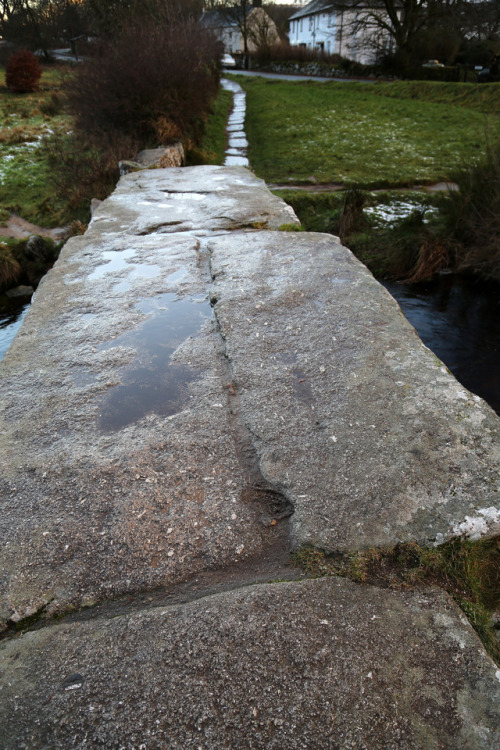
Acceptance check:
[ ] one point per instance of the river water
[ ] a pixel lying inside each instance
(459, 320)
(10, 322)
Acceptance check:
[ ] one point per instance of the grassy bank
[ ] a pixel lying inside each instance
(364, 137)
(385, 229)
(369, 135)
(213, 145)
(27, 121)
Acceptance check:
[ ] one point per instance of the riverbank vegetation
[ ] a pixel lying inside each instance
(27, 123)
(467, 570)
(372, 146)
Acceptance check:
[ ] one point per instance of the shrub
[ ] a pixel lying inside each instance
(86, 166)
(52, 106)
(352, 217)
(473, 215)
(155, 81)
(448, 73)
(10, 269)
(23, 72)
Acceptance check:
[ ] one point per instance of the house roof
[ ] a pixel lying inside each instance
(222, 18)
(321, 6)
(216, 19)
(316, 6)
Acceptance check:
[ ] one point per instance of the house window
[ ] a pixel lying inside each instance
(301, 23)
(311, 23)
(331, 19)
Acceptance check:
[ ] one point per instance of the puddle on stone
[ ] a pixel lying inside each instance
(112, 260)
(122, 286)
(186, 196)
(172, 278)
(115, 261)
(145, 270)
(152, 384)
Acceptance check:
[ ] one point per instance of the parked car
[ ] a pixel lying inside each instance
(433, 64)
(228, 61)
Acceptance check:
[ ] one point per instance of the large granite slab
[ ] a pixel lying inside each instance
(196, 199)
(317, 664)
(144, 441)
(354, 419)
(123, 465)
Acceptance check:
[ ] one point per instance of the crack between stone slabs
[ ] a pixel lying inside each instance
(275, 566)
(258, 491)
(155, 227)
(238, 226)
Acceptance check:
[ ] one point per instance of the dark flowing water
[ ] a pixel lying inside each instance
(10, 322)
(459, 319)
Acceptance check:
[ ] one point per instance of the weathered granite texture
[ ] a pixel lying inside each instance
(194, 199)
(165, 156)
(143, 440)
(317, 664)
(189, 398)
(354, 419)
(121, 468)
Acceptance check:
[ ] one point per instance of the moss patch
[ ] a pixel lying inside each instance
(468, 571)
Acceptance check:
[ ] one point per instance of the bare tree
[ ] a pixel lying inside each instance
(237, 13)
(398, 25)
(262, 31)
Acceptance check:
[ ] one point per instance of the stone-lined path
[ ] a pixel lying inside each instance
(192, 396)
(236, 154)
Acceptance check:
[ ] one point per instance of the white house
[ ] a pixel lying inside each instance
(335, 27)
(227, 24)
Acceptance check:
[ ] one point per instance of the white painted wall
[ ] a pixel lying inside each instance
(315, 30)
(334, 32)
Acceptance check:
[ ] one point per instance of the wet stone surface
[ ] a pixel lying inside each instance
(189, 398)
(199, 199)
(121, 466)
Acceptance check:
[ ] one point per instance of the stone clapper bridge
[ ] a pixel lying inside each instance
(192, 396)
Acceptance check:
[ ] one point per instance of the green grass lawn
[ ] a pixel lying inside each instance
(370, 135)
(212, 149)
(26, 122)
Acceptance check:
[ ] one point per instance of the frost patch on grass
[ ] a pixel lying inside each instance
(389, 215)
